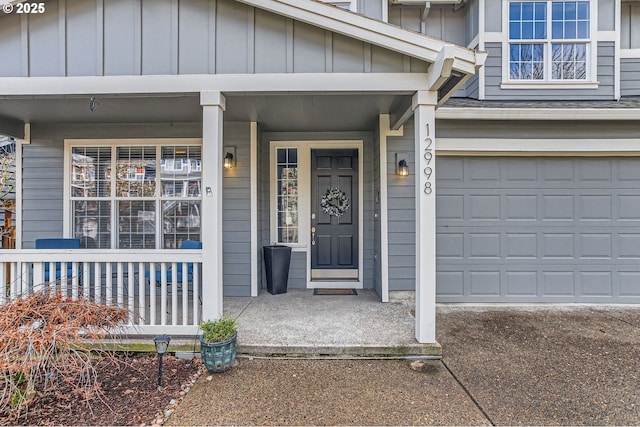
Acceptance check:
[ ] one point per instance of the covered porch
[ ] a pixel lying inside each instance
(99, 154)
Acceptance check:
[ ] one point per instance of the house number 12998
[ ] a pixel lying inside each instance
(428, 157)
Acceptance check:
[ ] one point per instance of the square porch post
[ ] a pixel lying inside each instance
(424, 103)
(213, 106)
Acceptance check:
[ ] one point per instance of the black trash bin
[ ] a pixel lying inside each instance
(276, 262)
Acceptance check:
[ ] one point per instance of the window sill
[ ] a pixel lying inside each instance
(550, 85)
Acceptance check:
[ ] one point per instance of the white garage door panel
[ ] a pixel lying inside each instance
(538, 230)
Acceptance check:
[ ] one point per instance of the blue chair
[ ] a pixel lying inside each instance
(58, 243)
(186, 244)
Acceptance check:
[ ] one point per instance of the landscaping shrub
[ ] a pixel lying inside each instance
(44, 341)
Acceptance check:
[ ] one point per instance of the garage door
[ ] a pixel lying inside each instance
(538, 230)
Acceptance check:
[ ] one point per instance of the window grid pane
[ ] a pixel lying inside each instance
(569, 21)
(181, 186)
(287, 195)
(91, 206)
(136, 224)
(136, 172)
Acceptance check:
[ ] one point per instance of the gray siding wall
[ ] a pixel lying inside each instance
(236, 213)
(605, 90)
(167, 37)
(442, 22)
(43, 170)
(630, 77)
(401, 213)
(298, 268)
(370, 8)
(630, 26)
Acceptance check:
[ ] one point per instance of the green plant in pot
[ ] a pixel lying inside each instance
(218, 345)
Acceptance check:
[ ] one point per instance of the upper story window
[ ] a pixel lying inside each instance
(549, 40)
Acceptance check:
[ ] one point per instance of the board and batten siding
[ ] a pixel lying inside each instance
(605, 78)
(630, 26)
(169, 37)
(442, 22)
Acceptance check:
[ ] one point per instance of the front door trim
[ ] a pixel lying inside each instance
(304, 228)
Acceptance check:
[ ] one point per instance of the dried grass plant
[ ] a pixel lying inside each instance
(44, 342)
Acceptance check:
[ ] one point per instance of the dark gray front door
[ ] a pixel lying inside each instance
(334, 214)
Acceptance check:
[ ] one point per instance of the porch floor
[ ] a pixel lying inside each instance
(301, 324)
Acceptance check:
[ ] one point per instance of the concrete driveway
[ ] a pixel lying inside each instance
(571, 366)
(515, 366)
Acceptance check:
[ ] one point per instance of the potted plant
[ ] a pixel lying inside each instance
(218, 343)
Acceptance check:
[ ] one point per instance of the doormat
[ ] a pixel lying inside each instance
(335, 292)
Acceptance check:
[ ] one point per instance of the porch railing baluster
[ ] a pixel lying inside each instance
(174, 293)
(163, 293)
(113, 277)
(141, 293)
(185, 293)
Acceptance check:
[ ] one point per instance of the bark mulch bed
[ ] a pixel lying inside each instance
(128, 395)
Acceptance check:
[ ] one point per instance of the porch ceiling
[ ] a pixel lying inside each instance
(274, 112)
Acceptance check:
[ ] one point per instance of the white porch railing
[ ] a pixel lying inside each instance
(126, 278)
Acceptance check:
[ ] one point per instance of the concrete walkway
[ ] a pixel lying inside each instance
(500, 366)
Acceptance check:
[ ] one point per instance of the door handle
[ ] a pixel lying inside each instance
(313, 236)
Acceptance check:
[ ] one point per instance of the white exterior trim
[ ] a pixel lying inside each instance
(304, 201)
(538, 147)
(629, 53)
(451, 113)
(211, 230)
(254, 207)
(385, 132)
(424, 104)
(19, 203)
(482, 39)
(227, 83)
(610, 36)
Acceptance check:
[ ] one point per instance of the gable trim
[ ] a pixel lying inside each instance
(371, 31)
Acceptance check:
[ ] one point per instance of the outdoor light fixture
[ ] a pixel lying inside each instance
(403, 168)
(162, 343)
(229, 160)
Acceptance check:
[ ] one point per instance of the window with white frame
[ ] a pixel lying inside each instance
(549, 40)
(287, 194)
(118, 200)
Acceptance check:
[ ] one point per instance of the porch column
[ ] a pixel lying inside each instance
(213, 106)
(424, 103)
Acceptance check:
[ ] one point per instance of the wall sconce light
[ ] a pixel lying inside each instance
(162, 344)
(229, 157)
(402, 168)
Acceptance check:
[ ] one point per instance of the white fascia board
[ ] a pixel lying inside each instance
(543, 146)
(226, 83)
(366, 29)
(451, 113)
